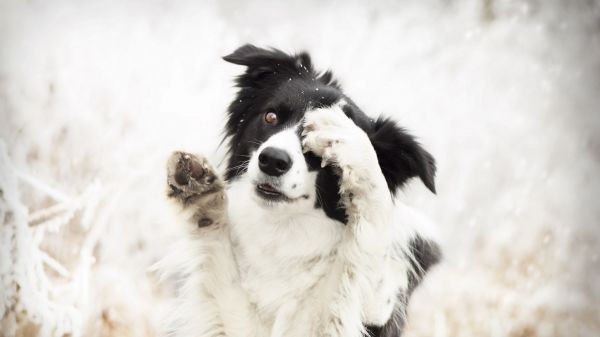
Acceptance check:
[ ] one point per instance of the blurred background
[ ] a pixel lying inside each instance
(505, 94)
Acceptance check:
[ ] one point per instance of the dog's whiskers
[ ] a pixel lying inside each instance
(243, 165)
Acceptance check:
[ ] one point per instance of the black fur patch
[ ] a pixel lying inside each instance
(400, 156)
(426, 253)
(395, 325)
(328, 196)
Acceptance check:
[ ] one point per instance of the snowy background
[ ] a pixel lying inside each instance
(505, 94)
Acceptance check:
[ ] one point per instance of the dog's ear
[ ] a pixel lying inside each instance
(262, 63)
(400, 156)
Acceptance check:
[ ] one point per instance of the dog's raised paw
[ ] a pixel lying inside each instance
(189, 176)
(331, 135)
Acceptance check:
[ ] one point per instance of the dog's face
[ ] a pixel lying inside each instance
(265, 125)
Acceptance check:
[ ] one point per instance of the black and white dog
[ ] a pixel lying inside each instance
(302, 236)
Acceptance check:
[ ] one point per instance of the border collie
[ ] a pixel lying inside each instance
(302, 235)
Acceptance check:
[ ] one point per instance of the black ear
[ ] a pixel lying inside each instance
(247, 55)
(261, 62)
(400, 156)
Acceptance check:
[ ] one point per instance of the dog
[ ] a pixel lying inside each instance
(301, 235)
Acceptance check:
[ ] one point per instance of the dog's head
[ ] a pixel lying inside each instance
(264, 126)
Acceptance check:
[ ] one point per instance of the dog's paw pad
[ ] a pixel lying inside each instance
(188, 167)
(188, 175)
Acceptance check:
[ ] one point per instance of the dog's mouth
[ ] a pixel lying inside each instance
(267, 191)
(271, 193)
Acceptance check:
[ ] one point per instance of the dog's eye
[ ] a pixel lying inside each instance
(271, 118)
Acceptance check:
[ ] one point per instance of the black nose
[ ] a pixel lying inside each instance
(274, 162)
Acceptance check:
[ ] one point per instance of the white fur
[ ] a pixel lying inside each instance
(286, 269)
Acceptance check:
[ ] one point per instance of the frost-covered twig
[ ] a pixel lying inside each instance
(28, 291)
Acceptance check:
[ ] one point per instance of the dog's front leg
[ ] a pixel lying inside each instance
(364, 249)
(200, 196)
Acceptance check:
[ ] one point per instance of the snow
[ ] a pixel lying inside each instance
(95, 95)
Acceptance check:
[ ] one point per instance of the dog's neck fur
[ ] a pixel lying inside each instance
(281, 253)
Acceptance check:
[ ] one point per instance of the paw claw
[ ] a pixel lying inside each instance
(174, 190)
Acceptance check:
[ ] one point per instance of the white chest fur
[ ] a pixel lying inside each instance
(281, 254)
(287, 258)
